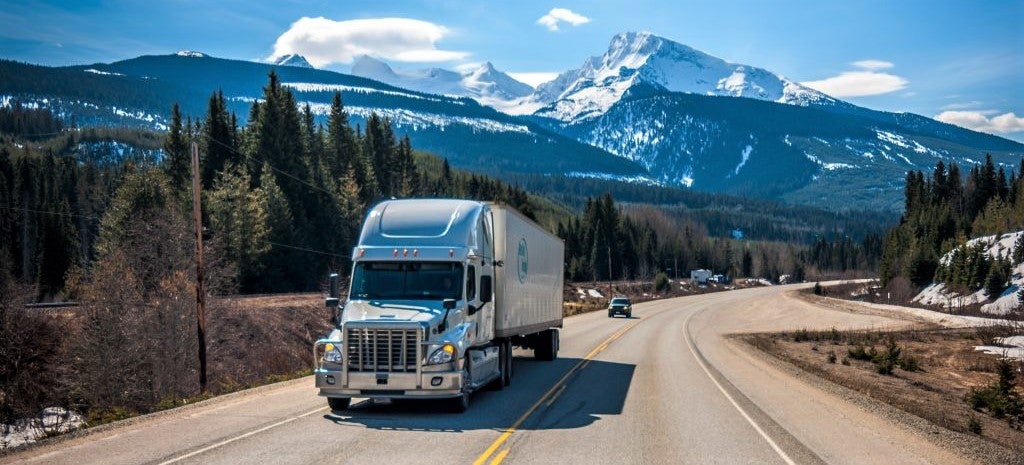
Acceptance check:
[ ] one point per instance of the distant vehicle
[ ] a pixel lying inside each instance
(441, 290)
(620, 306)
(701, 276)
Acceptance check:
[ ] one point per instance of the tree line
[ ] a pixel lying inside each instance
(608, 242)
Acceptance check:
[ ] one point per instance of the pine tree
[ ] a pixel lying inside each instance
(217, 143)
(238, 216)
(176, 149)
(280, 266)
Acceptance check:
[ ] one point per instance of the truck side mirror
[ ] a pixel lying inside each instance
(485, 289)
(448, 304)
(332, 294)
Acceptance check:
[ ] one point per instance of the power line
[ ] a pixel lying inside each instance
(307, 250)
(47, 212)
(272, 167)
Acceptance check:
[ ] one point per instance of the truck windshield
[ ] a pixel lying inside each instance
(408, 281)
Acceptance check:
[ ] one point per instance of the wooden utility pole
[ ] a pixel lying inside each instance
(197, 214)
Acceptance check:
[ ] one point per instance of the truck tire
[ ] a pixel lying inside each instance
(546, 348)
(338, 403)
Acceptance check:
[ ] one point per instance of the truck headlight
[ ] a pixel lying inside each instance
(443, 354)
(332, 353)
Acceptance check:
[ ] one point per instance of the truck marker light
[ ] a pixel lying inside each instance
(405, 252)
(451, 252)
(396, 252)
(362, 252)
(415, 252)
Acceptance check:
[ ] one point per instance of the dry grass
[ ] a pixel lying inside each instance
(949, 369)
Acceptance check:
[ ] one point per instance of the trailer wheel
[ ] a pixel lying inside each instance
(338, 403)
(546, 348)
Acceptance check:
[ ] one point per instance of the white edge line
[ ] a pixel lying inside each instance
(236, 438)
(703, 366)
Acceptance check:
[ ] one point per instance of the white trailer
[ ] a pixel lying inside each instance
(441, 291)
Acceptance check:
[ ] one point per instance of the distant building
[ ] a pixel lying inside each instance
(701, 276)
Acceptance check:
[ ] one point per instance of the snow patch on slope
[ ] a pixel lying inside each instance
(743, 161)
(1000, 246)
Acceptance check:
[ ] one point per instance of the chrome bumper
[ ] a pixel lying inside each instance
(331, 383)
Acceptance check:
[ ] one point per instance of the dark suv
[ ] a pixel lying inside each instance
(620, 305)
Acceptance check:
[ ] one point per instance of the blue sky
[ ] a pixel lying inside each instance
(961, 61)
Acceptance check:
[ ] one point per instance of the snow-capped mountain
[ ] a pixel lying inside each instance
(292, 60)
(483, 83)
(672, 110)
(648, 110)
(643, 59)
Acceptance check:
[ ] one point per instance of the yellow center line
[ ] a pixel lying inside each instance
(501, 456)
(558, 384)
(555, 397)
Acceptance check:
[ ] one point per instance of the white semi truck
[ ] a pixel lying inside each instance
(440, 292)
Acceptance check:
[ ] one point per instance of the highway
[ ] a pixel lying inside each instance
(662, 387)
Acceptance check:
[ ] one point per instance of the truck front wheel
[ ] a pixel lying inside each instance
(546, 348)
(338, 403)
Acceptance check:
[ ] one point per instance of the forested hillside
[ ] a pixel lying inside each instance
(943, 210)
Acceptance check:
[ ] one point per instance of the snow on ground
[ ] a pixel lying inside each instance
(594, 293)
(746, 156)
(53, 419)
(1010, 347)
(632, 179)
(997, 246)
(105, 73)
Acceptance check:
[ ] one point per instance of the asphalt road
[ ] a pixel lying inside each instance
(662, 387)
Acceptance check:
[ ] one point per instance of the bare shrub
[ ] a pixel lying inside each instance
(31, 355)
(900, 290)
(138, 340)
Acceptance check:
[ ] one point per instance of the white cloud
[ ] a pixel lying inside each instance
(873, 65)
(961, 105)
(979, 121)
(557, 15)
(533, 79)
(858, 84)
(323, 41)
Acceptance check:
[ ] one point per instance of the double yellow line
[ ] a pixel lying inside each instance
(549, 396)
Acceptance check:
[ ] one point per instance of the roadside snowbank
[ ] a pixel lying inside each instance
(52, 420)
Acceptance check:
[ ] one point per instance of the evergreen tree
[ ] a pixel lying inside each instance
(176, 149)
(238, 216)
(217, 140)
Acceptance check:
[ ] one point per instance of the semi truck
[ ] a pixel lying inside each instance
(441, 290)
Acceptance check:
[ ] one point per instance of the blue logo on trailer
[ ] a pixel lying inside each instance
(521, 263)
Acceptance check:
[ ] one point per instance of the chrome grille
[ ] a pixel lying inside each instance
(382, 350)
